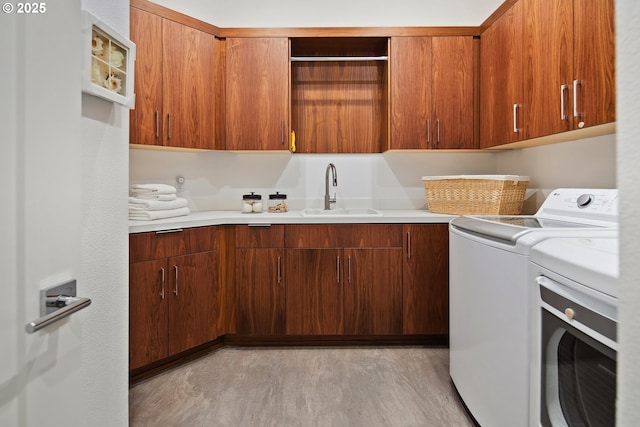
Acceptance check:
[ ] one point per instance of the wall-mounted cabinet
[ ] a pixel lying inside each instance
(257, 95)
(432, 93)
(569, 72)
(339, 94)
(547, 67)
(175, 87)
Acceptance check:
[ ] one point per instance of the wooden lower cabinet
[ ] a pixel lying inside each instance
(173, 294)
(344, 279)
(314, 292)
(425, 279)
(260, 291)
(373, 291)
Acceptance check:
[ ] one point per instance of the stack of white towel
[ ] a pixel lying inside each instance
(155, 201)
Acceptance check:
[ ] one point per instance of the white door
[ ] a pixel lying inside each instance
(74, 372)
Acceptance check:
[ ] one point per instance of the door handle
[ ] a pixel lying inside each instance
(56, 303)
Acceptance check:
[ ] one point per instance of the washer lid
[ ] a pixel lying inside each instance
(510, 228)
(589, 261)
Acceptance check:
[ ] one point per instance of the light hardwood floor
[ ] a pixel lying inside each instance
(407, 386)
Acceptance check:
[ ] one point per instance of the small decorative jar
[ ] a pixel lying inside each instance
(251, 203)
(278, 203)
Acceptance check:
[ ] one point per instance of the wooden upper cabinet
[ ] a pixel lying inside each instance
(547, 66)
(548, 47)
(145, 120)
(175, 83)
(594, 61)
(432, 92)
(410, 92)
(339, 94)
(257, 96)
(501, 95)
(452, 92)
(189, 94)
(570, 65)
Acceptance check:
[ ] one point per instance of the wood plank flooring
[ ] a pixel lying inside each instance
(407, 386)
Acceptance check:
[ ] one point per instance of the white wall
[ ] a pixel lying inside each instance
(628, 110)
(105, 251)
(105, 259)
(336, 13)
(586, 163)
(217, 180)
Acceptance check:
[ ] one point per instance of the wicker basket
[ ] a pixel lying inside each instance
(475, 194)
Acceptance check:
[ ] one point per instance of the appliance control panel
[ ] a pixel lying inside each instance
(582, 202)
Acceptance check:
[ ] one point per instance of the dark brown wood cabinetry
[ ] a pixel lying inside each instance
(260, 281)
(173, 293)
(343, 279)
(372, 291)
(425, 279)
(175, 83)
(501, 80)
(569, 73)
(547, 66)
(432, 92)
(339, 87)
(257, 96)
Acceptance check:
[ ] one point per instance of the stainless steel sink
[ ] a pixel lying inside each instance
(344, 212)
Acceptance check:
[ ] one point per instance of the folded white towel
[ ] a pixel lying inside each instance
(156, 205)
(152, 189)
(150, 215)
(155, 196)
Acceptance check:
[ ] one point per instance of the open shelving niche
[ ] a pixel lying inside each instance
(339, 94)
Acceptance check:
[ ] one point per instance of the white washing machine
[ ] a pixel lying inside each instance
(490, 297)
(574, 339)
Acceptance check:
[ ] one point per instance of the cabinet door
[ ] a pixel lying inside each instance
(410, 92)
(260, 291)
(426, 279)
(548, 65)
(594, 61)
(373, 291)
(146, 120)
(314, 292)
(452, 93)
(148, 312)
(189, 90)
(501, 80)
(257, 115)
(193, 294)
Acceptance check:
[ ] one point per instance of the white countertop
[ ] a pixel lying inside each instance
(200, 219)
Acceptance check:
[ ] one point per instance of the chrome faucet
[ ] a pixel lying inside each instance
(327, 198)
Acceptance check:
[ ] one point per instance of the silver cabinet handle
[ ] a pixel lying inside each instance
(563, 93)
(279, 276)
(408, 245)
(282, 132)
(349, 271)
(338, 270)
(437, 132)
(576, 83)
(168, 125)
(515, 118)
(175, 289)
(428, 131)
(157, 117)
(173, 230)
(162, 292)
(56, 303)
